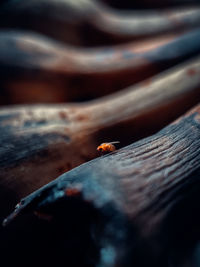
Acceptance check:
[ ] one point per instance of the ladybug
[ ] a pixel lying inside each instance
(107, 147)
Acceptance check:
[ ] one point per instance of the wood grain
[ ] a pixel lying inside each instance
(145, 194)
(45, 141)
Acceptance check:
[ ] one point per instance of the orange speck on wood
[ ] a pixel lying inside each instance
(63, 115)
(72, 192)
(147, 82)
(82, 117)
(191, 72)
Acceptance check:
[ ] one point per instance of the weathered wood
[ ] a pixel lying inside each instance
(37, 69)
(88, 22)
(140, 200)
(38, 143)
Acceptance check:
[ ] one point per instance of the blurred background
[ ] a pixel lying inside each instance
(62, 51)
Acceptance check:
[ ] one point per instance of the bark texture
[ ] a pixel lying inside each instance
(140, 200)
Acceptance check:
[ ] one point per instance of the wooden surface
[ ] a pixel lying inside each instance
(45, 141)
(137, 206)
(37, 69)
(90, 22)
(148, 191)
